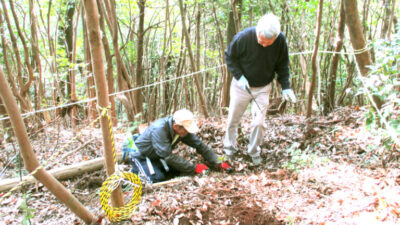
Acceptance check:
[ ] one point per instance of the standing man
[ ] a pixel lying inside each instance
(151, 153)
(254, 56)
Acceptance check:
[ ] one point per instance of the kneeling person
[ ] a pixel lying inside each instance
(154, 158)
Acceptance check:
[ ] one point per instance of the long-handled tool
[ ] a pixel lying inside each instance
(248, 90)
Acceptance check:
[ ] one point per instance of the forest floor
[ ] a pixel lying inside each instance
(328, 172)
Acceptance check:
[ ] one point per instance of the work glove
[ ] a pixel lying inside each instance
(243, 83)
(226, 167)
(201, 169)
(288, 94)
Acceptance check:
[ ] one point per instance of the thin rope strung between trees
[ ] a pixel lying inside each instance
(359, 51)
(113, 94)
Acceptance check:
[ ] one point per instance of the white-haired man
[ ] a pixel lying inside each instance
(151, 154)
(254, 56)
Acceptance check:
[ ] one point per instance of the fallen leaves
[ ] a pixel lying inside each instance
(337, 192)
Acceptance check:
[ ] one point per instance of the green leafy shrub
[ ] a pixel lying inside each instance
(27, 211)
(384, 83)
(300, 159)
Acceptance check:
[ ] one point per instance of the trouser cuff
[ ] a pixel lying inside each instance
(230, 150)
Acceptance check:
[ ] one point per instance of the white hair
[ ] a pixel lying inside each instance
(268, 26)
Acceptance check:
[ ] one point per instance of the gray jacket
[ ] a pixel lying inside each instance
(156, 141)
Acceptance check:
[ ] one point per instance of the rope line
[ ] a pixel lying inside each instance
(355, 52)
(24, 180)
(359, 51)
(113, 94)
(105, 113)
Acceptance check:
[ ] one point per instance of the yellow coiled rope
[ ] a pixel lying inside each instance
(115, 214)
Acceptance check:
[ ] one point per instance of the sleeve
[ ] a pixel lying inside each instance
(163, 149)
(180, 164)
(282, 67)
(233, 54)
(201, 148)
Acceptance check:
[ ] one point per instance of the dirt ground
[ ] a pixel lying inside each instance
(331, 171)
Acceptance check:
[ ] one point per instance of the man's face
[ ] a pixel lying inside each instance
(264, 41)
(180, 130)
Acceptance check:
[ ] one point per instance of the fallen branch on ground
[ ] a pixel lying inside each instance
(62, 173)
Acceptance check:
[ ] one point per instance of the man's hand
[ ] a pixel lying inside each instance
(243, 83)
(226, 167)
(201, 169)
(288, 94)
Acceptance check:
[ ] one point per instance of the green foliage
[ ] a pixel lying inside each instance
(384, 83)
(291, 220)
(62, 59)
(298, 18)
(135, 126)
(28, 213)
(302, 158)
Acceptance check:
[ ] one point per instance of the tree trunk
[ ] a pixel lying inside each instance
(202, 78)
(37, 66)
(386, 19)
(5, 123)
(391, 21)
(198, 39)
(164, 86)
(363, 57)
(232, 29)
(350, 74)
(356, 36)
(96, 50)
(27, 85)
(92, 111)
(303, 63)
(110, 77)
(366, 8)
(139, 58)
(74, 98)
(192, 63)
(8, 67)
(330, 96)
(179, 68)
(122, 72)
(53, 67)
(25, 105)
(224, 72)
(31, 162)
(71, 52)
(69, 40)
(237, 13)
(314, 60)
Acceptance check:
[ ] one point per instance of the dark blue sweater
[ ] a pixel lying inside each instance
(257, 63)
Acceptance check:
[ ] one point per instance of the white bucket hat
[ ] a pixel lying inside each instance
(186, 119)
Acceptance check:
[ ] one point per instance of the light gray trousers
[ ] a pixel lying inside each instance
(239, 100)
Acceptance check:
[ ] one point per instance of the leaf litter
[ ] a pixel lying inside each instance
(327, 170)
